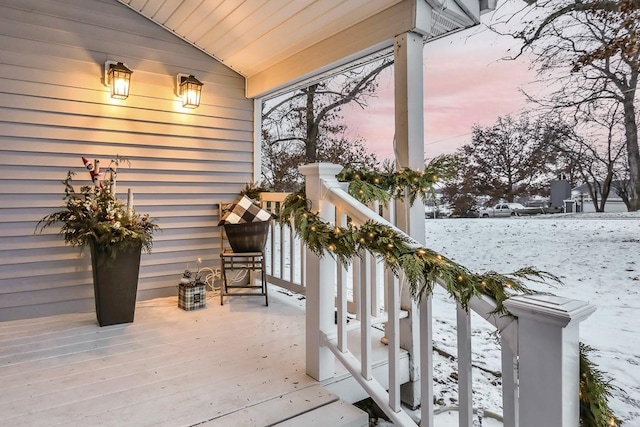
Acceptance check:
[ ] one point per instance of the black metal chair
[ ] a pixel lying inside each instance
(243, 261)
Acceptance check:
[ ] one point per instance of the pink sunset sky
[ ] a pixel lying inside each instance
(466, 82)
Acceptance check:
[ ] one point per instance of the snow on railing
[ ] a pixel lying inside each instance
(538, 341)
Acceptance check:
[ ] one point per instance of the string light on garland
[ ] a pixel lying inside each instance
(421, 266)
(367, 186)
(594, 390)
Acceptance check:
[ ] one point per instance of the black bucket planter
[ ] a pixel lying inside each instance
(248, 236)
(115, 283)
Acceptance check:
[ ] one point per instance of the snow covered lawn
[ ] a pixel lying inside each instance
(597, 256)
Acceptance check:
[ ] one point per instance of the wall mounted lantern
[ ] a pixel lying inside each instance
(189, 89)
(117, 76)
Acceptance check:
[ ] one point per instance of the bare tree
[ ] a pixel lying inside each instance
(459, 192)
(622, 185)
(598, 157)
(305, 126)
(621, 16)
(589, 51)
(280, 164)
(513, 158)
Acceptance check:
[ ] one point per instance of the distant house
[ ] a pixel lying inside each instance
(581, 195)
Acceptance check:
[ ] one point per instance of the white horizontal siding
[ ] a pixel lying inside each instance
(54, 109)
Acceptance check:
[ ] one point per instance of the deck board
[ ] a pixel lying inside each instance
(213, 366)
(169, 367)
(277, 409)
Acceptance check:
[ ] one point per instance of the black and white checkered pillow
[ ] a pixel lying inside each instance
(245, 210)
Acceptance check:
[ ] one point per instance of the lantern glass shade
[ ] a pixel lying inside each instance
(190, 90)
(118, 78)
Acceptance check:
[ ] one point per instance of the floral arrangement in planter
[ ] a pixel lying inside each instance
(116, 234)
(95, 215)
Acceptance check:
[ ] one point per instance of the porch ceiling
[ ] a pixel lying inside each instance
(275, 43)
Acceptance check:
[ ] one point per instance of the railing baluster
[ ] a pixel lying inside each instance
(509, 386)
(341, 220)
(282, 252)
(393, 335)
(303, 265)
(365, 320)
(272, 244)
(292, 258)
(387, 285)
(373, 272)
(356, 280)
(426, 362)
(373, 283)
(465, 397)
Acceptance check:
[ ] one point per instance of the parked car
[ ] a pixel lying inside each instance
(469, 213)
(537, 210)
(501, 210)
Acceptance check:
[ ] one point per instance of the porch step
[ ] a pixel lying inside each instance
(339, 413)
(310, 406)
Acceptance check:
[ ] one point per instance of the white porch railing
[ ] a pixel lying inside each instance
(539, 344)
(285, 253)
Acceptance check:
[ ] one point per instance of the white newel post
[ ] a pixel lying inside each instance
(549, 367)
(320, 279)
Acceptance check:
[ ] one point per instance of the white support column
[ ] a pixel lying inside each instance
(409, 128)
(320, 280)
(549, 365)
(257, 139)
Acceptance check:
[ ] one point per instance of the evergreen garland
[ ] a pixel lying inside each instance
(422, 266)
(594, 393)
(253, 190)
(369, 186)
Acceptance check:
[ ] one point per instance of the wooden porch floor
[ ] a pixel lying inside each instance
(168, 368)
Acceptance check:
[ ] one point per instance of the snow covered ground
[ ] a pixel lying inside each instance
(597, 256)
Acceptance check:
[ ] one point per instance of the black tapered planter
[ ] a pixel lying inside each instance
(115, 283)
